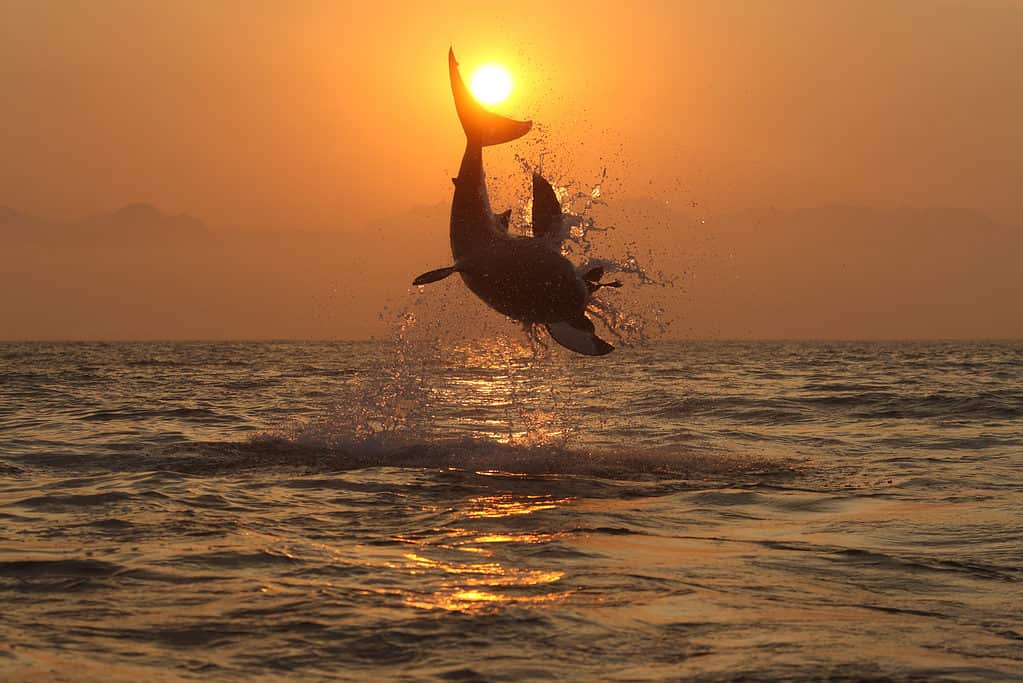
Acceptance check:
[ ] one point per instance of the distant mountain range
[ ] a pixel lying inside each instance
(818, 272)
(131, 224)
(16, 226)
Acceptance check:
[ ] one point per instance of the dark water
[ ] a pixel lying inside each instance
(281, 511)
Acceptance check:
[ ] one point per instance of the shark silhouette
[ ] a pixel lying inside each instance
(524, 278)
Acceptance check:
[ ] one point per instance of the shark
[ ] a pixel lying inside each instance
(524, 278)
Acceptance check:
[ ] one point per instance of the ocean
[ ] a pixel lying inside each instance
(491, 511)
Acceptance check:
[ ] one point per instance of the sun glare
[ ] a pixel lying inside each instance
(491, 84)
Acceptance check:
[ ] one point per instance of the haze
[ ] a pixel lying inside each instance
(799, 169)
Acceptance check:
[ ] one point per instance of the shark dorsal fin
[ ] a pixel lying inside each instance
(546, 208)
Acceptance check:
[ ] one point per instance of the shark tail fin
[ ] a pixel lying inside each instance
(481, 126)
(578, 335)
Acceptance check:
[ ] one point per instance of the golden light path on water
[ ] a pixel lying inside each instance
(514, 382)
(720, 511)
(474, 586)
(454, 568)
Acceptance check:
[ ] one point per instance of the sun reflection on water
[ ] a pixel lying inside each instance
(484, 577)
(416, 563)
(478, 585)
(514, 538)
(512, 394)
(478, 600)
(506, 505)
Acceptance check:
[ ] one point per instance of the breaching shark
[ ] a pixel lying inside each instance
(524, 278)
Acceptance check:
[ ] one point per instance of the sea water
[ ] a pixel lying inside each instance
(487, 510)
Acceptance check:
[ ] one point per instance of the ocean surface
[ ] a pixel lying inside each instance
(488, 511)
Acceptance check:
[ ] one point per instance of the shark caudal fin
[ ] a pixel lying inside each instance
(482, 127)
(578, 335)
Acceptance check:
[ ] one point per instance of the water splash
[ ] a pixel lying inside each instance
(505, 382)
(445, 385)
(629, 318)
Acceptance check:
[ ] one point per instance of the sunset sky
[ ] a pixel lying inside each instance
(335, 118)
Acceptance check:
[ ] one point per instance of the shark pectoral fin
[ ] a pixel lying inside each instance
(594, 286)
(594, 274)
(434, 275)
(579, 336)
(546, 208)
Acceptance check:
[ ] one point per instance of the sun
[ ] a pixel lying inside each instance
(491, 84)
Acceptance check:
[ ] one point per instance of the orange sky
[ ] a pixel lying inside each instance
(329, 116)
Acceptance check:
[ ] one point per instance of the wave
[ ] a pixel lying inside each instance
(867, 405)
(135, 414)
(312, 454)
(66, 568)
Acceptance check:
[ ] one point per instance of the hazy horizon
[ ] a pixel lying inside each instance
(143, 274)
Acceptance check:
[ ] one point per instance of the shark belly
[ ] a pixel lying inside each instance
(525, 281)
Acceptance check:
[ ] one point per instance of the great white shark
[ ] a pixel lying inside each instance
(524, 278)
